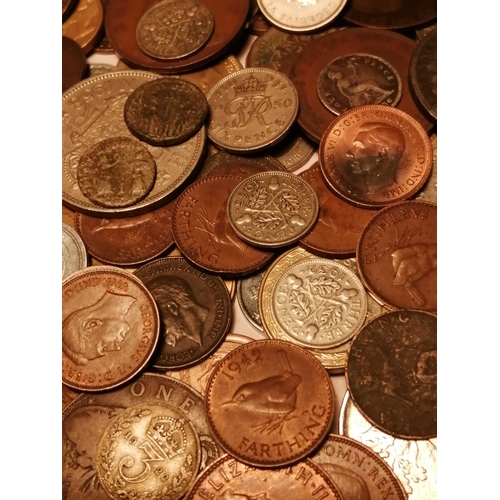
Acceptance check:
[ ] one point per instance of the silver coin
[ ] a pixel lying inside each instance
(247, 291)
(74, 253)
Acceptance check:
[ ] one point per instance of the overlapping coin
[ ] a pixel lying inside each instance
(74, 253)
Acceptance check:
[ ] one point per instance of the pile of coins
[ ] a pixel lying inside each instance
(248, 249)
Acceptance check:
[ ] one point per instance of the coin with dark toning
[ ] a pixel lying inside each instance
(258, 24)
(247, 291)
(74, 253)
(110, 327)
(375, 155)
(294, 151)
(172, 29)
(104, 46)
(269, 403)
(166, 111)
(195, 311)
(397, 256)
(116, 172)
(74, 63)
(84, 24)
(67, 7)
(391, 373)
(204, 235)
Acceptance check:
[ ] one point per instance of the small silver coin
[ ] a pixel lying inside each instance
(74, 253)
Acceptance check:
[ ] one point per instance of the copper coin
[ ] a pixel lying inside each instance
(172, 29)
(104, 46)
(396, 49)
(195, 311)
(272, 209)
(204, 235)
(228, 479)
(375, 155)
(429, 189)
(68, 395)
(258, 24)
(74, 253)
(391, 373)
(67, 7)
(85, 23)
(130, 240)
(122, 19)
(392, 14)
(166, 111)
(110, 327)
(397, 256)
(74, 63)
(86, 419)
(251, 109)
(339, 224)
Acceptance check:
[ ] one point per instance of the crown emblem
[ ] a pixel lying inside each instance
(250, 85)
(169, 435)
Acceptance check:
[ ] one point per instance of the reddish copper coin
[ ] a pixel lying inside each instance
(84, 24)
(67, 7)
(375, 155)
(74, 63)
(269, 403)
(122, 19)
(397, 256)
(204, 235)
(396, 49)
(130, 240)
(339, 225)
(104, 46)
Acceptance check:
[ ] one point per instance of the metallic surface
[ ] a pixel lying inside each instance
(429, 189)
(74, 253)
(247, 291)
(293, 152)
(84, 24)
(74, 63)
(100, 69)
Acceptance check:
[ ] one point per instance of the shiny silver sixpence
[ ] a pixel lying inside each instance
(74, 253)
(272, 209)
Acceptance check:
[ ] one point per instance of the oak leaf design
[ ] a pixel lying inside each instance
(267, 221)
(299, 304)
(289, 202)
(324, 286)
(330, 316)
(258, 198)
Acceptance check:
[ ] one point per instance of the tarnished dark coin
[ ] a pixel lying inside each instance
(104, 46)
(74, 63)
(204, 235)
(258, 24)
(391, 373)
(116, 172)
(166, 111)
(84, 24)
(129, 240)
(195, 310)
(74, 253)
(294, 151)
(247, 291)
(423, 72)
(86, 419)
(172, 29)
(356, 80)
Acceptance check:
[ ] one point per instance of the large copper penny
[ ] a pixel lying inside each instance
(269, 403)
(391, 373)
(84, 24)
(128, 241)
(339, 224)
(204, 235)
(195, 311)
(397, 256)
(166, 111)
(122, 19)
(86, 419)
(375, 155)
(74, 63)
(110, 327)
(396, 49)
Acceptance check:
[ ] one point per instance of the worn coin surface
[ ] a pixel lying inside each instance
(101, 69)
(247, 291)
(84, 24)
(166, 111)
(74, 253)
(258, 24)
(116, 172)
(251, 109)
(163, 434)
(269, 403)
(195, 311)
(375, 155)
(391, 373)
(397, 256)
(110, 327)
(358, 79)
(429, 189)
(172, 29)
(74, 63)
(294, 151)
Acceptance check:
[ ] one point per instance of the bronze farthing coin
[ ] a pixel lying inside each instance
(423, 72)
(272, 209)
(74, 253)
(228, 479)
(74, 63)
(204, 235)
(172, 29)
(375, 155)
(397, 256)
(128, 241)
(84, 25)
(116, 172)
(269, 403)
(195, 311)
(396, 49)
(357, 80)
(357, 470)
(251, 109)
(247, 291)
(166, 111)
(293, 152)
(391, 373)
(110, 327)
(158, 431)
(93, 110)
(339, 224)
(86, 419)
(121, 23)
